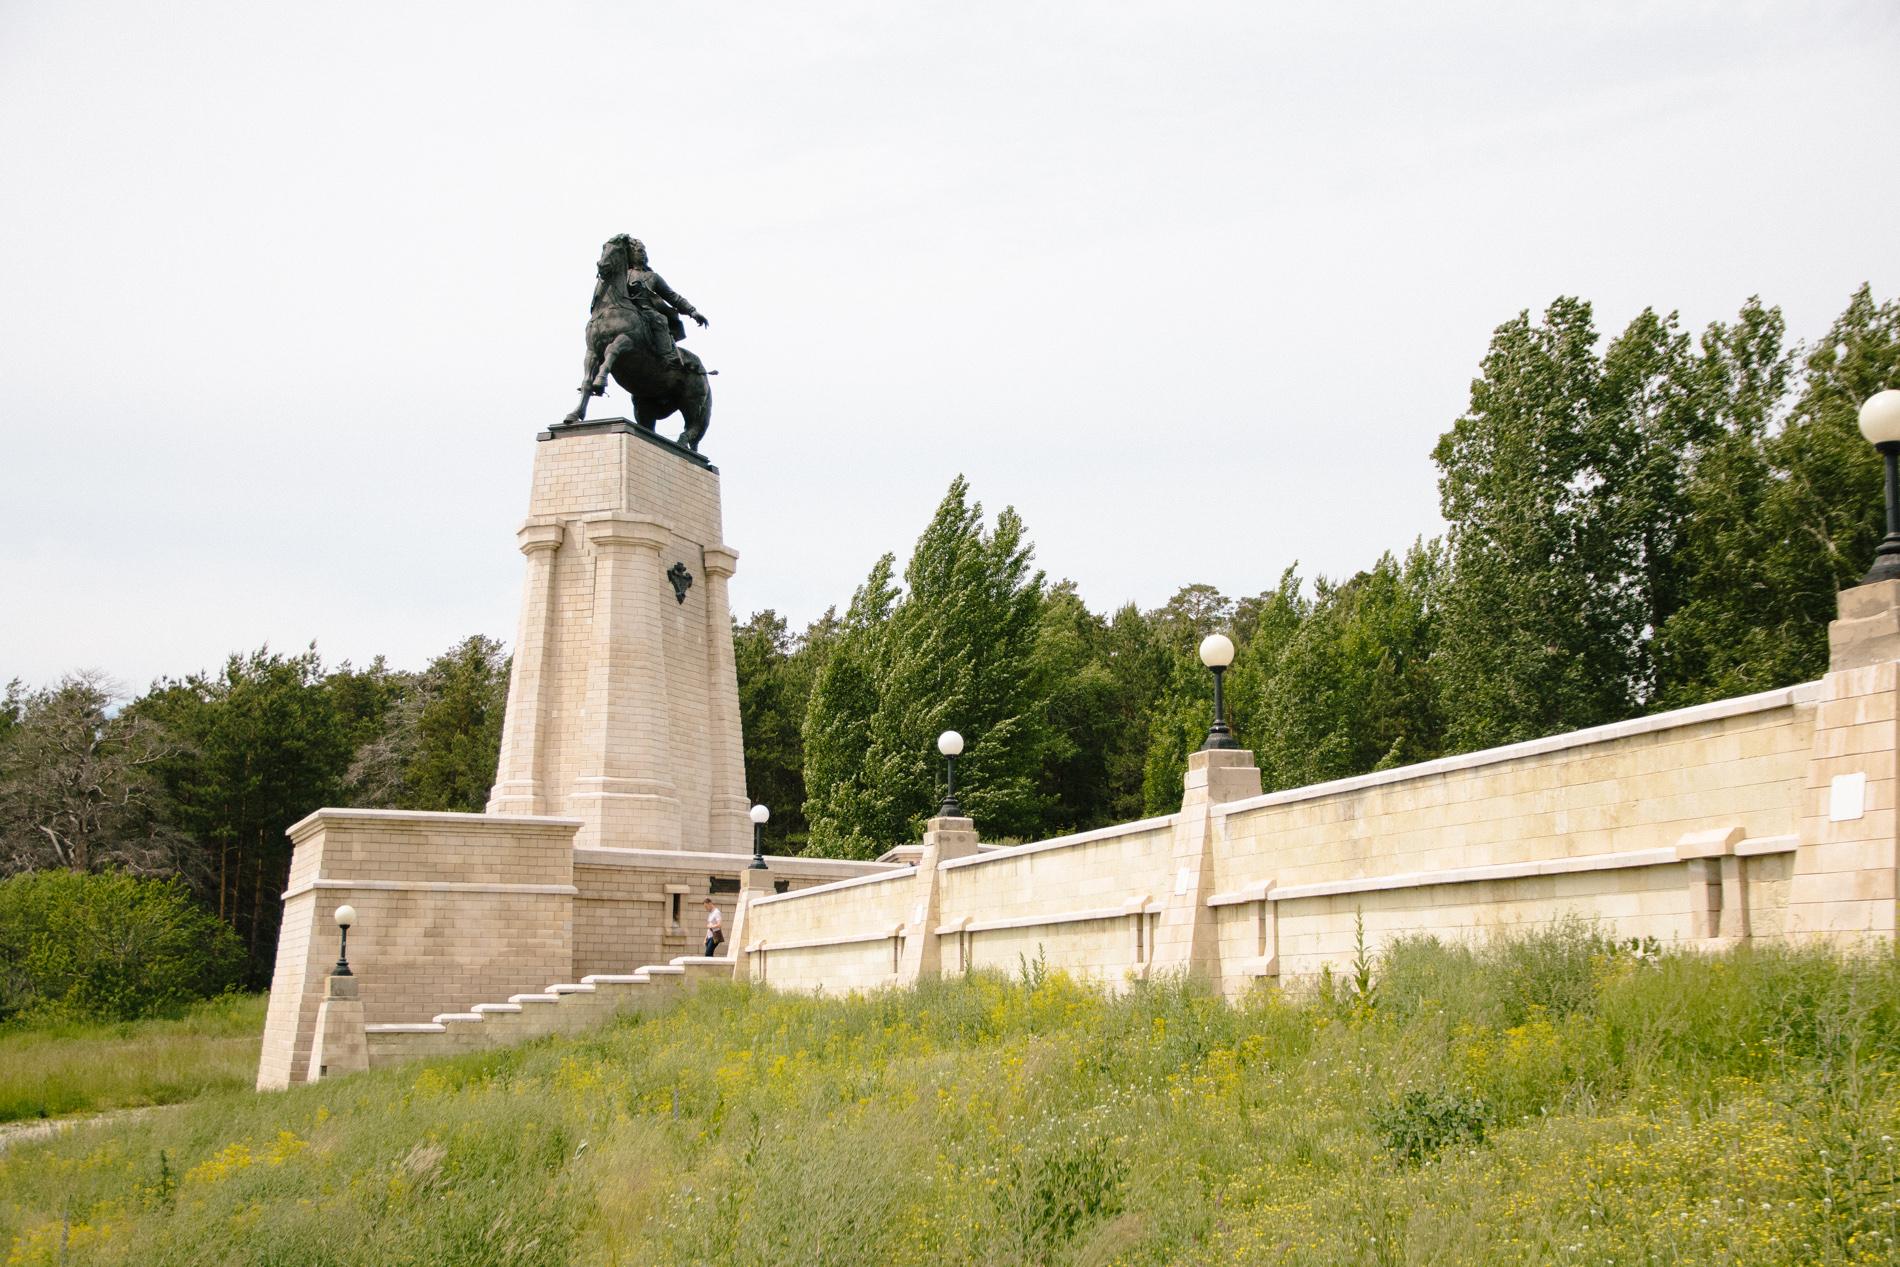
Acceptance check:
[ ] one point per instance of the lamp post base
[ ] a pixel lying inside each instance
(1886, 562)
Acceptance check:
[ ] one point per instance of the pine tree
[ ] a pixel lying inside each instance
(957, 652)
(839, 806)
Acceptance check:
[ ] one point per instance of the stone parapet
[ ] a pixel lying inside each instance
(1770, 816)
(450, 908)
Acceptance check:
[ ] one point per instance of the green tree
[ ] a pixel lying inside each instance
(837, 731)
(1787, 501)
(1085, 704)
(12, 706)
(440, 740)
(955, 652)
(264, 743)
(108, 946)
(776, 671)
(1540, 625)
(79, 786)
(1352, 690)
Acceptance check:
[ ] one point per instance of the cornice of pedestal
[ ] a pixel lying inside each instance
(637, 531)
(539, 535)
(721, 560)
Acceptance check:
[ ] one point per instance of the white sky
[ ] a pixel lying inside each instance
(286, 290)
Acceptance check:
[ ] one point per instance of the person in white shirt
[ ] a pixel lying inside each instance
(715, 931)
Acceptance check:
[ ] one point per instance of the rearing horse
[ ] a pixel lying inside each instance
(618, 345)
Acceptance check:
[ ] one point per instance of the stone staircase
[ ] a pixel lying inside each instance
(563, 1008)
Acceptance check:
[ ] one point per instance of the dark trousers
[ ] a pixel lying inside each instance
(712, 943)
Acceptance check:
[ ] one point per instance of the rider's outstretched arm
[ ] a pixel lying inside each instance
(678, 300)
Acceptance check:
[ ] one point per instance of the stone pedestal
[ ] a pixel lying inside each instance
(623, 709)
(340, 1044)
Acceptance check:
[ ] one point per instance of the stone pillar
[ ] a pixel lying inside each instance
(622, 790)
(730, 828)
(944, 839)
(1843, 885)
(1186, 940)
(519, 777)
(341, 1045)
(752, 884)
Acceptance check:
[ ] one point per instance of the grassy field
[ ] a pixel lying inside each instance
(1551, 1101)
(57, 1070)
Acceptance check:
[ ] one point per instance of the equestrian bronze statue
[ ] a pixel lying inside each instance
(633, 335)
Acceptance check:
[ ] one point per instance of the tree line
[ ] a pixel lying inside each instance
(199, 777)
(1634, 524)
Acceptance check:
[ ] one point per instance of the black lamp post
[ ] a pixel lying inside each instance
(345, 916)
(1217, 652)
(949, 743)
(759, 815)
(1880, 423)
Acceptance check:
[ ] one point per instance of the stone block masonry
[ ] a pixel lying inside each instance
(1771, 816)
(447, 904)
(623, 706)
(619, 803)
(456, 910)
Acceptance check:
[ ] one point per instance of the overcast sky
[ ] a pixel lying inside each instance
(287, 290)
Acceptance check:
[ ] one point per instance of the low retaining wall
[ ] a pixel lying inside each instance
(1768, 816)
(1585, 824)
(1089, 902)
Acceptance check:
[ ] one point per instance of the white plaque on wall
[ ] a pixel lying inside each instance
(1181, 881)
(1847, 797)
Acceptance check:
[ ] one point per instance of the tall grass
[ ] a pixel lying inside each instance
(76, 1067)
(1554, 1100)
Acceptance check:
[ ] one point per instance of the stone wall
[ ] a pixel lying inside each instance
(459, 909)
(1089, 903)
(1770, 816)
(644, 906)
(448, 905)
(1586, 823)
(845, 935)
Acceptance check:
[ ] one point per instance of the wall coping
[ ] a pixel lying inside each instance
(900, 873)
(1717, 710)
(431, 886)
(694, 860)
(1090, 837)
(430, 817)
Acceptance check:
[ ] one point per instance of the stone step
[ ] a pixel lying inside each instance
(393, 1044)
(699, 968)
(505, 1023)
(563, 1007)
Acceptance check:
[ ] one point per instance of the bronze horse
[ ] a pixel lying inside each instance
(620, 343)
